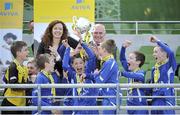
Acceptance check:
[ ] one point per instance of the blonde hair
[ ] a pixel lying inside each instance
(109, 45)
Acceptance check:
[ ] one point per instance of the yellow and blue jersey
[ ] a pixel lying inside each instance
(42, 79)
(73, 79)
(16, 74)
(165, 76)
(134, 77)
(109, 73)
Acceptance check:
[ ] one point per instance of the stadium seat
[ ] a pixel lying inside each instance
(178, 51)
(176, 79)
(178, 55)
(178, 62)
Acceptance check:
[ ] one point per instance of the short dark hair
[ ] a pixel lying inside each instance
(140, 57)
(9, 35)
(17, 46)
(41, 60)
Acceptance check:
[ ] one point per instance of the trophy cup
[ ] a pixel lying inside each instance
(82, 25)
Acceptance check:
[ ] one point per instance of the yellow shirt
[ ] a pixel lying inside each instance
(22, 78)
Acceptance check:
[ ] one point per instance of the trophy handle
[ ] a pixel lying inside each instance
(74, 26)
(74, 18)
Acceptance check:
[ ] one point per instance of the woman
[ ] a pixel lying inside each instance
(52, 39)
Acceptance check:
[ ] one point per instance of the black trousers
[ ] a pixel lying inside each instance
(5, 102)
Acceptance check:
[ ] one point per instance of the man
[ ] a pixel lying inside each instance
(99, 33)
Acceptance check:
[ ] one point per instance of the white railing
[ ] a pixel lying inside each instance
(138, 23)
(118, 107)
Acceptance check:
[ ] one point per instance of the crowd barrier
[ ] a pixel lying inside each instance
(118, 106)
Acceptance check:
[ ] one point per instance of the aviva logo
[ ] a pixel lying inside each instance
(8, 6)
(80, 1)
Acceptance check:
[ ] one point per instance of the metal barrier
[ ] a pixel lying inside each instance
(139, 23)
(118, 107)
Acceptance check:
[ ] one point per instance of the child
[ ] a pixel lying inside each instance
(32, 70)
(163, 73)
(16, 73)
(45, 63)
(135, 75)
(108, 73)
(75, 75)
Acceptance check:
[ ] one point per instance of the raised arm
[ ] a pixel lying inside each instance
(89, 52)
(170, 53)
(166, 48)
(91, 62)
(122, 56)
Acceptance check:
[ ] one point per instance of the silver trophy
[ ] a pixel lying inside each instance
(82, 24)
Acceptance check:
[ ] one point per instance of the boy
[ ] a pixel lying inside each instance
(135, 75)
(45, 63)
(17, 73)
(32, 70)
(75, 74)
(32, 73)
(163, 73)
(108, 73)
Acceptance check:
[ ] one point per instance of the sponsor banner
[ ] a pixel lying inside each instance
(46, 11)
(11, 16)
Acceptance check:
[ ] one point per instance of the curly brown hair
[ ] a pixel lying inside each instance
(47, 38)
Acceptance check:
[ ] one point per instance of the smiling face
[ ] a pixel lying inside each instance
(99, 33)
(159, 54)
(132, 62)
(78, 65)
(57, 30)
(32, 69)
